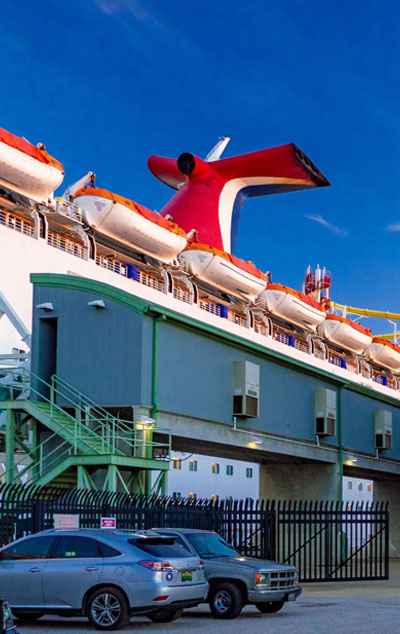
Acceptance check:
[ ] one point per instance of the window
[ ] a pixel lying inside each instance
(215, 467)
(177, 462)
(369, 487)
(229, 469)
(210, 545)
(193, 465)
(160, 546)
(349, 485)
(249, 472)
(74, 547)
(107, 552)
(360, 488)
(32, 548)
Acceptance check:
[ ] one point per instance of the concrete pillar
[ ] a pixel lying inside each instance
(389, 491)
(311, 481)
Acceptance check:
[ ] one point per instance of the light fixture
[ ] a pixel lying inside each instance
(97, 303)
(45, 306)
(146, 420)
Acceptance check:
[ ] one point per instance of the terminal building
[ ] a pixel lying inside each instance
(168, 365)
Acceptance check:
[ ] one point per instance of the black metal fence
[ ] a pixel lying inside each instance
(325, 541)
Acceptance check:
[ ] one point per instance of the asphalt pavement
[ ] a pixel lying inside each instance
(371, 607)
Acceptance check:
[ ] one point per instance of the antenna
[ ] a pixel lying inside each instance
(317, 284)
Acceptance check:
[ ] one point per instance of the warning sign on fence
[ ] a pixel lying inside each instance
(66, 521)
(108, 522)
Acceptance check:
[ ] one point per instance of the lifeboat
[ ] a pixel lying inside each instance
(130, 224)
(346, 333)
(27, 169)
(292, 306)
(224, 271)
(384, 353)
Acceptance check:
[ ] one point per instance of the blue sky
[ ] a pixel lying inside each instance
(106, 83)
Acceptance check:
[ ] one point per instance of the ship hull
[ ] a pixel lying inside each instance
(127, 227)
(221, 273)
(26, 175)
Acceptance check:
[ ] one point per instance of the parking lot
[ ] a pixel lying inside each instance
(372, 606)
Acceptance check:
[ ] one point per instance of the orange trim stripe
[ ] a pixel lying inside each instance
(249, 267)
(130, 204)
(353, 324)
(301, 296)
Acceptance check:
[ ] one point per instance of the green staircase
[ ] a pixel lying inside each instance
(75, 438)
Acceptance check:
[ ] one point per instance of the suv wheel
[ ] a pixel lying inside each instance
(164, 616)
(27, 617)
(269, 607)
(107, 609)
(226, 600)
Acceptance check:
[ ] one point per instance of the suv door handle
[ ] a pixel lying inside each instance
(34, 569)
(92, 568)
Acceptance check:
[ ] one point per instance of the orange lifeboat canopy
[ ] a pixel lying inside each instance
(224, 271)
(124, 221)
(27, 169)
(293, 306)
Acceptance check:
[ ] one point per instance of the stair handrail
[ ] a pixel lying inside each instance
(79, 426)
(125, 425)
(128, 425)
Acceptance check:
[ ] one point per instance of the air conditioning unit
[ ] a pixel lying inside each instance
(325, 412)
(383, 429)
(246, 389)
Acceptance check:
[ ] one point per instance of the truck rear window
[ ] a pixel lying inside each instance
(161, 547)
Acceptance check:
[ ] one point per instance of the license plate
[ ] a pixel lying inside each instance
(292, 597)
(187, 576)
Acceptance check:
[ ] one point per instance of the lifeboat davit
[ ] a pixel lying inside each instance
(27, 169)
(224, 271)
(292, 306)
(384, 353)
(346, 333)
(128, 223)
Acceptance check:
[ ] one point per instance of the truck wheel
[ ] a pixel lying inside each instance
(107, 609)
(268, 607)
(226, 600)
(164, 616)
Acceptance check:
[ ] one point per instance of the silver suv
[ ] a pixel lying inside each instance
(107, 575)
(236, 581)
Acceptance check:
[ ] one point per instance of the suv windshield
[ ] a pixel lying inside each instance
(160, 547)
(210, 545)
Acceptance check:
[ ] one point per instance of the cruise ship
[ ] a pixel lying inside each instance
(181, 258)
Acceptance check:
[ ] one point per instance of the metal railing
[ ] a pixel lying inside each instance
(92, 425)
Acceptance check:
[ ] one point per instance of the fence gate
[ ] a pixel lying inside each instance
(328, 541)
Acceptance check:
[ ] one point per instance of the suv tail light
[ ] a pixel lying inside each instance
(157, 566)
(201, 565)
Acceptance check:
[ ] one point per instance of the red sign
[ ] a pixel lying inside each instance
(108, 522)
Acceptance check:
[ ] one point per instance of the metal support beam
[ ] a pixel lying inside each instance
(10, 445)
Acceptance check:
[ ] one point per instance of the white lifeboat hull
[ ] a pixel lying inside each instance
(126, 226)
(384, 355)
(345, 336)
(292, 309)
(26, 175)
(220, 273)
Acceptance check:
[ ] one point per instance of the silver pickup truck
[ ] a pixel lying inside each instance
(236, 581)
